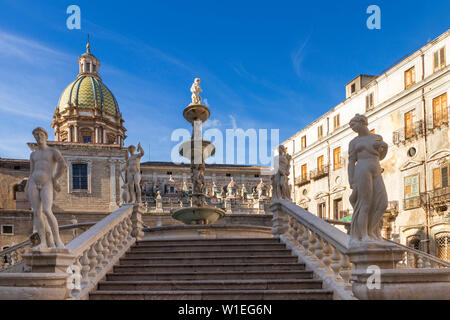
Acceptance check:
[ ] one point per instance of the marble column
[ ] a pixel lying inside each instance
(104, 135)
(75, 133)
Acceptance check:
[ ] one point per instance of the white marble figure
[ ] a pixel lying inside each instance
(46, 167)
(369, 198)
(195, 89)
(280, 180)
(133, 169)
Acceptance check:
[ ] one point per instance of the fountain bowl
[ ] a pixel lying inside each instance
(198, 215)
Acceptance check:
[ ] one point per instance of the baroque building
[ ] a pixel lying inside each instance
(408, 106)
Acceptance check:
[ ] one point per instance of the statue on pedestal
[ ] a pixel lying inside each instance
(133, 170)
(195, 89)
(369, 198)
(280, 180)
(46, 167)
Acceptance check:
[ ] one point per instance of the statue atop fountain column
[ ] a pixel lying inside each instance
(195, 89)
(280, 180)
(133, 170)
(369, 197)
(46, 166)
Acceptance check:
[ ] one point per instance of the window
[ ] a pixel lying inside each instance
(86, 139)
(88, 67)
(319, 132)
(409, 128)
(94, 67)
(353, 88)
(440, 177)
(303, 141)
(411, 192)
(443, 246)
(336, 122)
(320, 165)
(304, 172)
(7, 229)
(440, 110)
(337, 209)
(369, 102)
(79, 176)
(321, 210)
(337, 158)
(410, 77)
(439, 60)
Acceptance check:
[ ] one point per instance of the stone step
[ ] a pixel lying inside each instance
(187, 242)
(208, 253)
(207, 260)
(208, 267)
(211, 275)
(273, 284)
(168, 247)
(302, 294)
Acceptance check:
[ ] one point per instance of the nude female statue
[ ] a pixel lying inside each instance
(133, 169)
(40, 187)
(369, 197)
(195, 89)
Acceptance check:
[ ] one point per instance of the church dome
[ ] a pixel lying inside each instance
(90, 92)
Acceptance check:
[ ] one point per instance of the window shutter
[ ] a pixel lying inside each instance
(444, 108)
(442, 53)
(436, 178)
(444, 177)
(413, 75)
(436, 61)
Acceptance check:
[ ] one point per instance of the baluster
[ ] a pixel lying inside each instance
(327, 250)
(410, 260)
(122, 237)
(427, 263)
(112, 244)
(312, 244)
(107, 253)
(419, 261)
(305, 242)
(14, 257)
(76, 290)
(118, 242)
(346, 268)
(92, 255)
(84, 261)
(300, 237)
(318, 252)
(100, 257)
(129, 229)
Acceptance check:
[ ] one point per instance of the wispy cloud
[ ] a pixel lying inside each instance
(298, 57)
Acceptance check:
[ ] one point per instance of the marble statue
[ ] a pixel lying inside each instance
(195, 89)
(46, 167)
(369, 198)
(280, 180)
(133, 170)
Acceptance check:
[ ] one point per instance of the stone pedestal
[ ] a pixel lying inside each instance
(384, 255)
(52, 260)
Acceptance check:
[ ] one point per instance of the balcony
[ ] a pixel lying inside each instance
(411, 203)
(436, 198)
(319, 172)
(404, 134)
(301, 181)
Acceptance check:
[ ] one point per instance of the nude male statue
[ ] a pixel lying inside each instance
(195, 89)
(133, 169)
(40, 187)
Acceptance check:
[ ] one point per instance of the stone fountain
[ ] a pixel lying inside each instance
(197, 151)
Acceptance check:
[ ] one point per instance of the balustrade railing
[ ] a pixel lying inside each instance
(324, 248)
(406, 133)
(11, 258)
(319, 172)
(98, 249)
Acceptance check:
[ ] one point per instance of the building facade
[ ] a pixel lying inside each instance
(408, 106)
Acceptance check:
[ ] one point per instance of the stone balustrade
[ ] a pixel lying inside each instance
(97, 250)
(325, 250)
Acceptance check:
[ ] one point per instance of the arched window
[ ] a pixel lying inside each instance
(443, 246)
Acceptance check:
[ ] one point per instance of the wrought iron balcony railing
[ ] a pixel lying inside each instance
(406, 133)
(302, 180)
(319, 172)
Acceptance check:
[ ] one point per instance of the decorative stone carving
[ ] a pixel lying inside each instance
(280, 180)
(369, 197)
(195, 89)
(40, 189)
(133, 171)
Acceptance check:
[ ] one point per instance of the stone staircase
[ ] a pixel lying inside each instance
(205, 269)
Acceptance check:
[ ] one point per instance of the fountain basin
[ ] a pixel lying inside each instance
(198, 215)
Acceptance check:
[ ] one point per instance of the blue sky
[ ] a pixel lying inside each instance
(263, 64)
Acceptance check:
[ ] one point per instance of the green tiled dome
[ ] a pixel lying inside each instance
(89, 92)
